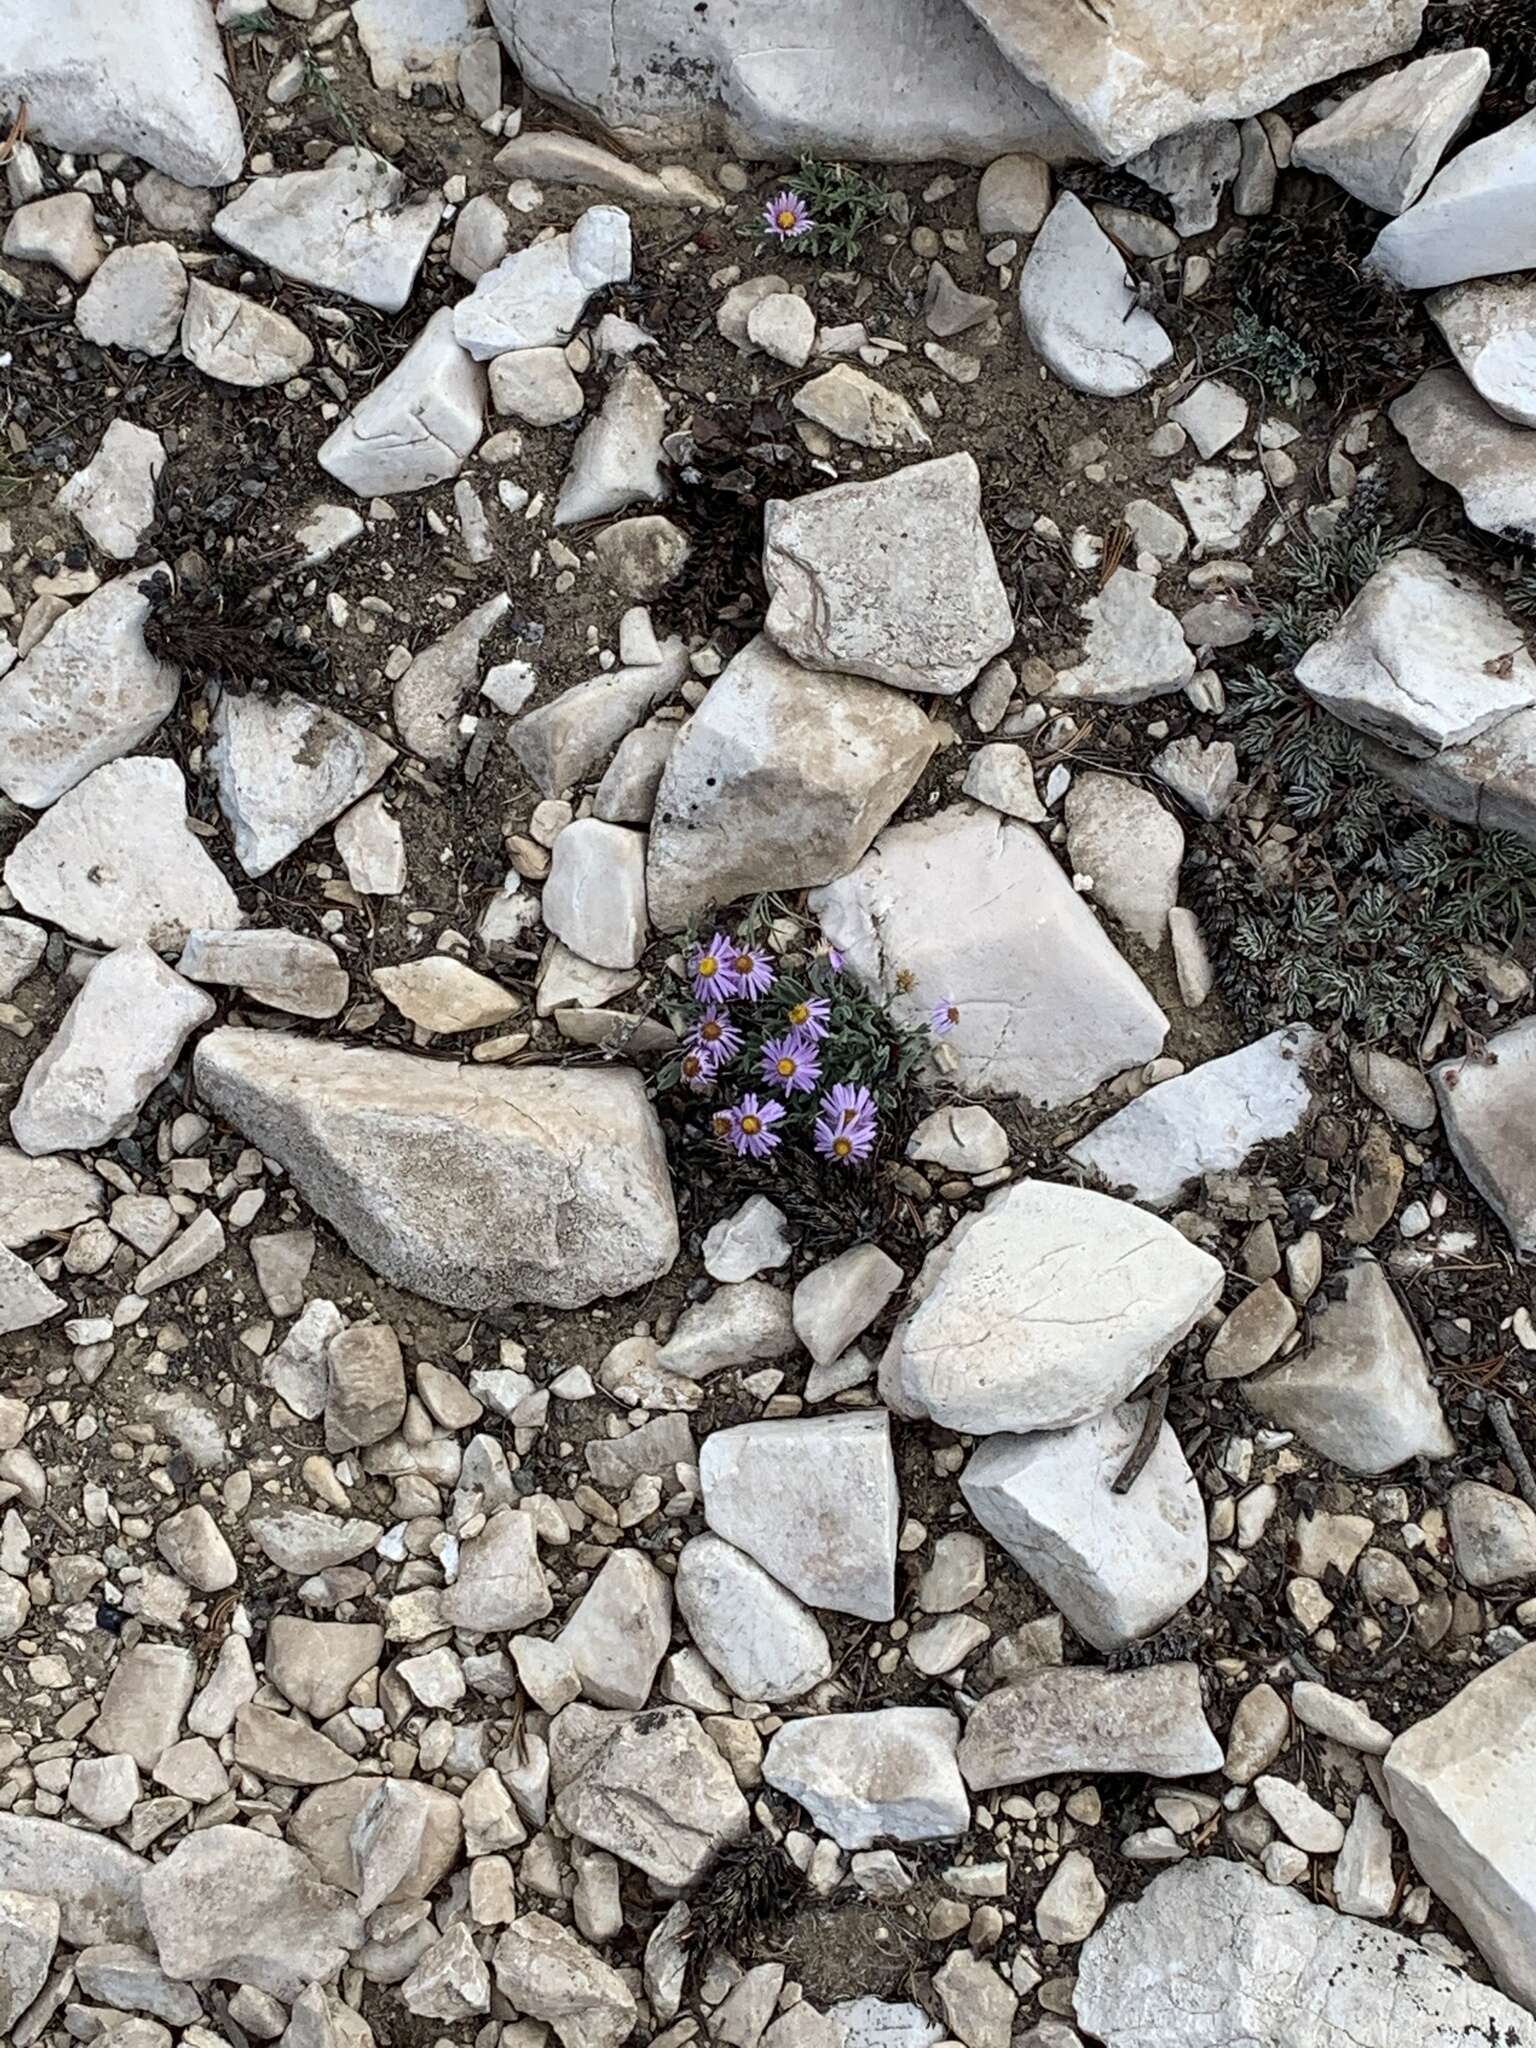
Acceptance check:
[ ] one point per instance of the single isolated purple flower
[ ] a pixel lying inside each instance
(945, 1017)
(709, 967)
(715, 1036)
(750, 969)
(791, 1063)
(752, 1123)
(787, 217)
(833, 955)
(811, 1017)
(847, 1126)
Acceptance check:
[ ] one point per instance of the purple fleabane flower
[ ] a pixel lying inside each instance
(697, 1068)
(848, 1125)
(715, 1036)
(750, 969)
(791, 1063)
(945, 1017)
(833, 955)
(752, 1122)
(710, 969)
(810, 1016)
(787, 217)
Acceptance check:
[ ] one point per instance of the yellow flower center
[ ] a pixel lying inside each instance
(787, 217)
(799, 1013)
(708, 965)
(751, 1125)
(709, 1030)
(842, 1147)
(786, 1068)
(744, 963)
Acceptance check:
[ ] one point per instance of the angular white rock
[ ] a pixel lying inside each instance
(1220, 505)
(1213, 1953)
(414, 42)
(858, 409)
(781, 779)
(151, 83)
(283, 969)
(418, 425)
(1080, 309)
(1117, 1565)
(893, 578)
(1074, 1717)
(1476, 219)
(967, 1140)
(29, 1934)
(863, 1776)
(750, 1241)
(619, 1634)
(286, 767)
(1360, 1393)
(430, 697)
(1418, 660)
(815, 1502)
(594, 898)
(837, 1302)
(1383, 143)
(113, 498)
(535, 297)
(372, 848)
(1043, 1310)
(761, 1640)
(113, 861)
(535, 385)
(1490, 328)
(1488, 1104)
(1134, 648)
(119, 1039)
(475, 1186)
(239, 341)
(1131, 846)
(617, 460)
(25, 1301)
(134, 299)
(1459, 438)
(344, 228)
(1205, 1121)
(651, 1788)
(1048, 1008)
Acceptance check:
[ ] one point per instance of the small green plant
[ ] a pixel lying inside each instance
(1325, 572)
(1276, 358)
(844, 204)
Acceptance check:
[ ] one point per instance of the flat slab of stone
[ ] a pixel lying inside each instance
(44, 1197)
(89, 692)
(1212, 1953)
(114, 863)
(1081, 314)
(419, 424)
(762, 1641)
(285, 768)
(1458, 1781)
(1044, 1310)
(970, 908)
(1490, 328)
(815, 1502)
(1489, 1107)
(239, 341)
(862, 1777)
(651, 1788)
(152, 84)
(1075, 1718)
(1360, 1393)
(1459, 438)
(1117, 1565)
(344, 228)
(1383, 143)
(1476, 219)
(535, 297)
(476, 1186)
(1134, 648)
(780, 779)
(1206, 1121)
(113, 497)
(1423, 659)
(94, 1881)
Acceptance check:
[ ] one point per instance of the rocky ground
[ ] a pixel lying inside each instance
(767, 811)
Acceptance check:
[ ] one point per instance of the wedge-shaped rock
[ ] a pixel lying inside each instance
(1360, 1393)
(235, 1904)
(567, 740)
(1489, 1107)
(25, 1301)
(1460, 439)
(763, 1643)
(95, 1882)
(342, 228)
(1383, 143)
(1459, 1782)
(1205, 1121)
(971, 908)
(778, 77)
(240, 342)
(1135, 647)
(1212, 1953)
(1490, 782)
(1081, 313)
(815, 1501)
(285, 768)
(1044, 1310)
(113, 497)
(1490, 328)
(546, 1972)
(114, 863)
(535, 297)
(1478, 218)
(29, 1934)
(478, 1187)
(1117, 1565)
(432, 693)
(1155, 71)
(84, 695)
(283, 969)
(1423, 659)
(44, 1197)
(119, 1039)
(892, 578)
(650, 1788)
(500, 1583)
(780, 779)
(1070, 1717)
(418, 425)
(862, 1777)
(150, 82)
